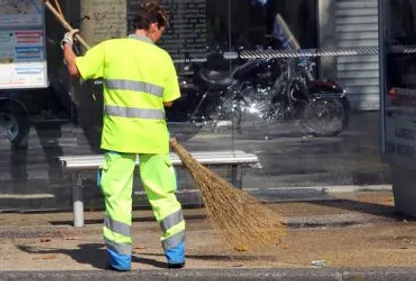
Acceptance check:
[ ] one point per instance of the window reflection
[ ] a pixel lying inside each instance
(226, 101)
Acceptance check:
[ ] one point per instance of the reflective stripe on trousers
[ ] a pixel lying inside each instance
(120, 248)
(174, 241)
(117, 227)
(169, 222)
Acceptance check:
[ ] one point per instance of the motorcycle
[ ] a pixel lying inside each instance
(321, 107)
(219, 92)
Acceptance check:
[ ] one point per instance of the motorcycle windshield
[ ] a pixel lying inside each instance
(284, 35)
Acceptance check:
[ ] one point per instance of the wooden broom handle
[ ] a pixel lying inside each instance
(173, 142)
(65, 24)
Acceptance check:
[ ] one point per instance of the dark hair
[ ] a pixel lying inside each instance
(149, 13)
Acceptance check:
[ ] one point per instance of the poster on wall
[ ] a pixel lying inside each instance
(186, 37)
(104, 20)
(22, 44)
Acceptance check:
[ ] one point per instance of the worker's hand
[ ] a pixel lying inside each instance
(69, 38)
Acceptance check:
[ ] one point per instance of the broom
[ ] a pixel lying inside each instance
(245, 224)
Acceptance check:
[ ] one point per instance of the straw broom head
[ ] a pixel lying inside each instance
(245, 224)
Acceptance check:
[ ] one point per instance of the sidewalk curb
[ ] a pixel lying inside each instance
(312, 274)
(334, 221)
(353, 188)
(295, 222)
(311, 193)
(271, 195)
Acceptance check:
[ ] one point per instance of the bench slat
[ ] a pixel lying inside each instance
(198, 154)
(74, 163)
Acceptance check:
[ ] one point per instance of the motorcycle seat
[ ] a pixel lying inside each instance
(215, 80)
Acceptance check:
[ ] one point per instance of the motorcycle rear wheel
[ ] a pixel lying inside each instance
(324, 117)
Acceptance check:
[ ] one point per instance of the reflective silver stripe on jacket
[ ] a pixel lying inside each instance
(174, 241)
(117, 227)
(171, 220)
(121, 111)
(118, 84)
(120, 248)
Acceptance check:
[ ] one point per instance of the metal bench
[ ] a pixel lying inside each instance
(80, 166)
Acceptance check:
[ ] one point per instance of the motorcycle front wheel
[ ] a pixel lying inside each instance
(324, 117)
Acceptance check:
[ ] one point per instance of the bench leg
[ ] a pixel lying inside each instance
(77, 200)
(237, 176)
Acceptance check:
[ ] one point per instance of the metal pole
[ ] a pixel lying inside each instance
(382, 17)
(237, 176)
(77, 200)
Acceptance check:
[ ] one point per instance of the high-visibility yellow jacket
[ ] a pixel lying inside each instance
(138, 78)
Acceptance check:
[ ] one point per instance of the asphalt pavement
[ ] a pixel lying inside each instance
(348, 236)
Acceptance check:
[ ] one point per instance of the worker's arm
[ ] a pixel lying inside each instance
(70, 60)
(69, 55)
(168, 104)
(89, 66)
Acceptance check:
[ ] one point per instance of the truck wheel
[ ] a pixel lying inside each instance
(15, 122)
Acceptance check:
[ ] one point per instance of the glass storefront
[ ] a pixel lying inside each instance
(312, 119)
(400, 88)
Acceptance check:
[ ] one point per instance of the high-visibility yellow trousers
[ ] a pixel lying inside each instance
(159, 182)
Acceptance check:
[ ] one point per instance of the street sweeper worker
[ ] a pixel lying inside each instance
(140, 80)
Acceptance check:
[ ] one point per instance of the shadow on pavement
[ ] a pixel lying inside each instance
(222, 258)
(151, 262)
(93, 254)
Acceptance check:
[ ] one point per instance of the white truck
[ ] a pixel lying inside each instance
(29, 94)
